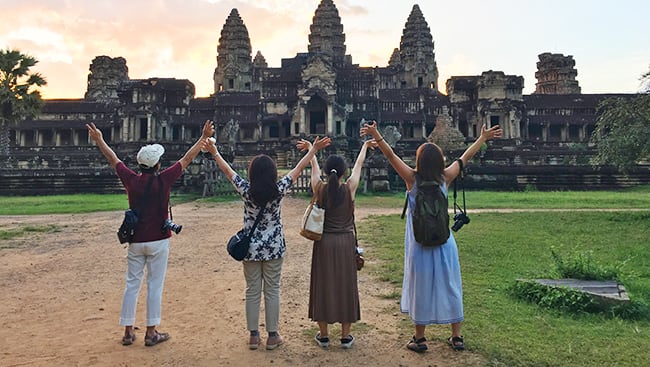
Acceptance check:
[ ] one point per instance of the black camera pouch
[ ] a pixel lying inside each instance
(127, 229)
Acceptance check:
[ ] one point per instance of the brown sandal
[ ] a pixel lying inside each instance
(128, 339)
(150, 341)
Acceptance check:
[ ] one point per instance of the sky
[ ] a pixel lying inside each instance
(609, 40)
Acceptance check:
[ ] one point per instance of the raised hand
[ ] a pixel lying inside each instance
(208, 129)
(370, 129)
(372, 144)
(495, 132)
(322, 143)
(93, 132)
(303, 145)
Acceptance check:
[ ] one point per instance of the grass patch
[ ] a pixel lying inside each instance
(13, 233)
(77, 203)
(498, 248)
(634, 198)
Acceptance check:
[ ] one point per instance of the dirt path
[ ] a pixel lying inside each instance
(61, 296)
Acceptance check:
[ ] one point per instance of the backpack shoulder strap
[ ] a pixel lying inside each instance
(406, 201)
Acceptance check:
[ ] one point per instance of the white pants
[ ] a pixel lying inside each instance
(263, 274)
(154, 256)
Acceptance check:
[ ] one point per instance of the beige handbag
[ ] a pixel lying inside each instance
(313, 220)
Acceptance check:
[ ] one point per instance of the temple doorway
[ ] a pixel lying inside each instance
(317, 116)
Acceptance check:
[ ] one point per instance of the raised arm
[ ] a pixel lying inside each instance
(453, 169)
(221, 163)
(304, 161)
(355, 177)
(96, 135)
(208, 131)
(305, 145)
(403, 170)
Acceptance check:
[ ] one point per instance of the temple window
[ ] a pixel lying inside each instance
(231, 83)
(420, 82)
(494, 120)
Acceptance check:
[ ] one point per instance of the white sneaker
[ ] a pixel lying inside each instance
(346, 343)
(323, 342)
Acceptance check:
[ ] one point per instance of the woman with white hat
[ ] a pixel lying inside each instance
(149, 192)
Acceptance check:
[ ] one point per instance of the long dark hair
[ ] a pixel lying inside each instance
(335, 168)
(263, 176)
(430, 163)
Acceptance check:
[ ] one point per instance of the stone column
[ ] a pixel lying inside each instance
(150, 129)
(330, 120)
(302, 118)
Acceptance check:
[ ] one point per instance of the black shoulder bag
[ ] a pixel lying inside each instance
(239, 244)
(127, 229)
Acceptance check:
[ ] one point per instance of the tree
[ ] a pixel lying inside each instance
(622, 134)
(18, 97)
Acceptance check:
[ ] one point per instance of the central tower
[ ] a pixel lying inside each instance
(326, 35)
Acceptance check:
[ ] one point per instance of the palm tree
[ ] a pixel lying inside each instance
(18, 98)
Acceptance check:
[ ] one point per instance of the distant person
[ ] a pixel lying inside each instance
(432, 288)
(150, 245)
(263, 264)
(333, 291)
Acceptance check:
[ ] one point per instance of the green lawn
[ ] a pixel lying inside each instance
(497, 248)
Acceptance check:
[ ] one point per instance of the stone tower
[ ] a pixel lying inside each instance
(106, 74)
(416, 53)
(234, 66)
(556, 74)
(326, 35)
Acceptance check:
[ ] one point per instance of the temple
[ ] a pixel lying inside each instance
(260, 109)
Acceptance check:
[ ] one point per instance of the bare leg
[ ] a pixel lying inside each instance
(128, 330)
(455, 329)
(322, 325)
(419, 331)
(151, 330)
(345, 329)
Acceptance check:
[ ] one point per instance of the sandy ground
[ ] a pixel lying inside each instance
(61, 295)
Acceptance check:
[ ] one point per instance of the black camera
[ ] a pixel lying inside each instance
(169, 225)
(460, 219)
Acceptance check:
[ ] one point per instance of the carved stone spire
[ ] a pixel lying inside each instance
(395, 58)
(327, 35)
(556, 74)
(416, 52)
(233, 72)
(259, 61)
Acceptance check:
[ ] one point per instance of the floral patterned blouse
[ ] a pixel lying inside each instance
(267, 243)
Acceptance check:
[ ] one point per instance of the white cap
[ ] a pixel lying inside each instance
(149, 155)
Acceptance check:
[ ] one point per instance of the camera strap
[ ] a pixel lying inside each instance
(461, 174)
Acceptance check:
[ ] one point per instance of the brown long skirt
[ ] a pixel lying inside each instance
(333, 291)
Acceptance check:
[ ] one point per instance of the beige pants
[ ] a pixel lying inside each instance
(263, 275)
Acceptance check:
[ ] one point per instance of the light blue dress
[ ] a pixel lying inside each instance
(432, 290)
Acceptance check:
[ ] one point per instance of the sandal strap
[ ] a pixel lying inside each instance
(419, 341)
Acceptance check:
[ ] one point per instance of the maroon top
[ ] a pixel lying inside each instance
(154, 209)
